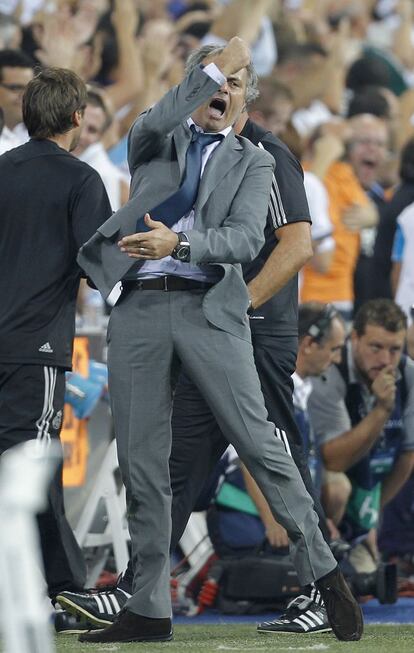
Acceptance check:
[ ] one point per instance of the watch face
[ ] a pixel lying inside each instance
(182, 252)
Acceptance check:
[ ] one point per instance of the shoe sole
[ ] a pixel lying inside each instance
(148, 638)
(353, 637)
(73, 631)
(75, 609)
(294, 632)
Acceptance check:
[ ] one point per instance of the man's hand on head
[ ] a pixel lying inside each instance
(154, 244)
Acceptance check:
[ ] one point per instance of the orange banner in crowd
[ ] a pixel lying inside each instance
(74, 433)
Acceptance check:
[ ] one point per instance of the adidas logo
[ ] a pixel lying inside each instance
(46, 348)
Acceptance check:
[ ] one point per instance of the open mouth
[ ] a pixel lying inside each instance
(217, 107)
(369, 163)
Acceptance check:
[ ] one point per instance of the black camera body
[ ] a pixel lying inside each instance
(381, 583)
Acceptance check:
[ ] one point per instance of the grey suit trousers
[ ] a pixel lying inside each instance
(148, 331)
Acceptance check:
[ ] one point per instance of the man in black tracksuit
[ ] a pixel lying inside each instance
(50, 204)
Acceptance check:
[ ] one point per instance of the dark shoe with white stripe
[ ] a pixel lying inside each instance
(101, 608)
(71, 624)
(131, 627)
(344, 613)
(303, 615)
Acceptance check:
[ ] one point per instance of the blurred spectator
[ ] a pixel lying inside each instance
(349, 208)
(97, 119)
(303, 69)
(10, 32)
(403, 197)
(403, 261)
(382, 103)
(367, 151)
(323, 243)
(362, 412)
(274, 106)
(16, 71)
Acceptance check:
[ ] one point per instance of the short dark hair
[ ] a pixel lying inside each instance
(368, 70)
(14, 59)
(315, 320)
(198, 56)
(369, 99)
(50, 100)
(384, 313)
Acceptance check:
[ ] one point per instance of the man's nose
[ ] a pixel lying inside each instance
(224, 88)
(384, 357)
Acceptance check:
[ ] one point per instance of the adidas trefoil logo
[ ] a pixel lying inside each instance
(46, 348)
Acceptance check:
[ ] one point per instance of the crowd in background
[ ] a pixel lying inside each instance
(336, 85)
(336, 81)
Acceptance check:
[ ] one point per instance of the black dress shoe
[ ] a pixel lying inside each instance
(344, 613)
(131, 627)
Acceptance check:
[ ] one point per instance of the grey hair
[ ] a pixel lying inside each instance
(198, 56)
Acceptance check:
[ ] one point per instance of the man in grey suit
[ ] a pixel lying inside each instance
(184, 299)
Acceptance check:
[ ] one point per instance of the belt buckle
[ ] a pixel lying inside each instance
(140, 285)
(165, 284)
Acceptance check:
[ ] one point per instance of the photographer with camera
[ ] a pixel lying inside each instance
(362, 411)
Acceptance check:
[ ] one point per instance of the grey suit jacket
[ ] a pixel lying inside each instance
(230, 211)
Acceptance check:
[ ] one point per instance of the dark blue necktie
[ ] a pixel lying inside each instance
(182, 201)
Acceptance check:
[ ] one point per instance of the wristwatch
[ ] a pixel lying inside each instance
(181, 251)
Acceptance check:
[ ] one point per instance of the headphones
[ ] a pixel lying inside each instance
(319, 327)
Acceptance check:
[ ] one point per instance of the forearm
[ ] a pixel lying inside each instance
(241, 17)
(344, 451)
(258, 498)
(403, 45)
(291, 253)
(399, 474)
(130, 73)
(334, 95)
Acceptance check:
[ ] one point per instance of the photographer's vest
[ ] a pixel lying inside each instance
(367, 475)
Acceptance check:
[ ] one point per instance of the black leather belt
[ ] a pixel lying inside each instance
(167, 283)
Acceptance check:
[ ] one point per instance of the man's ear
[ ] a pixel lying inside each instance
(76, 118)
(307, 343)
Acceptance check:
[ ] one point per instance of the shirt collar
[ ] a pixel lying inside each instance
(225, 132)
(301, 392)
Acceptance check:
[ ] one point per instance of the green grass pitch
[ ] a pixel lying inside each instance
(233, 637)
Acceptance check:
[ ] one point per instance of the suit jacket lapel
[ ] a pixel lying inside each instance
(226, 156)
(182, 138)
